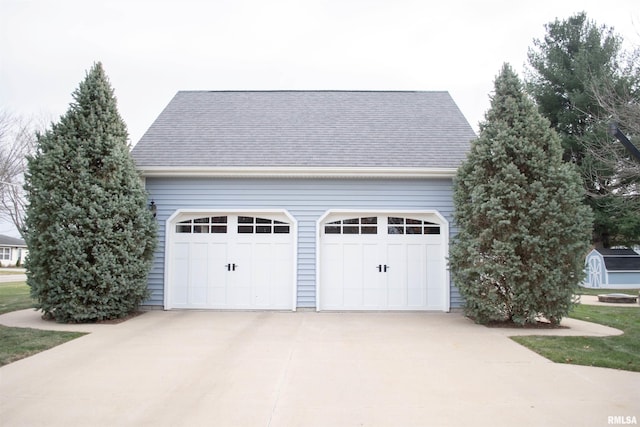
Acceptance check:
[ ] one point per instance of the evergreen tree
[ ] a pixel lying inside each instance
(523, 230)
(573, 62)
(573, 54)
(90, 234)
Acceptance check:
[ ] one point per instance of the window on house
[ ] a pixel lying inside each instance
(399, 225)
(251, 225)
(212, 224)
(5, 254)
(365, 225)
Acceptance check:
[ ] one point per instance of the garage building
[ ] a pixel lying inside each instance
(332, 200)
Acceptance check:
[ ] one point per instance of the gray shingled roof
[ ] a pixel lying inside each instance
(306, 128)
(11, 241)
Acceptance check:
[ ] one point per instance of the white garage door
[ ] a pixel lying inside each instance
(383, 262)
(231, 261)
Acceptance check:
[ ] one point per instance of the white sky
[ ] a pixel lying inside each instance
(152, 48)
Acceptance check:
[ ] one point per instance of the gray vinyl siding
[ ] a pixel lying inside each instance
(305, 199)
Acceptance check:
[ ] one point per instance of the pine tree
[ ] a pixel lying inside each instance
(90, 234)
(523, 230)
(570, 68)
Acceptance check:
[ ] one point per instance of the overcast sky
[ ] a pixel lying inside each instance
(151, 49)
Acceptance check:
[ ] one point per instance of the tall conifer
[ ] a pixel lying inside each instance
(523, 230)
(89, 232)
(570, 67)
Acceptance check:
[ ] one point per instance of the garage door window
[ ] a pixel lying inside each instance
(365, 225)
(399, 225)
(212, 224)
(250, 225)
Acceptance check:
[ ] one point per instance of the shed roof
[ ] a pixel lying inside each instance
(307, 129)
(620, 259)
(617, 252)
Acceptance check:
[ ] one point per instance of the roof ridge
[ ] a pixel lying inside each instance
(309, 91)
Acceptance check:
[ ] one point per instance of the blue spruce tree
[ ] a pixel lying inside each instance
(523, 229)
(89, 232)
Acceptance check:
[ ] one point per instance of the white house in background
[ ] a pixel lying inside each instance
(332, 200)
(613, 269)
(12, 251)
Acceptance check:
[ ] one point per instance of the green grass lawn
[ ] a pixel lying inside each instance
(618, 352)
(18, 343)
(14, 296)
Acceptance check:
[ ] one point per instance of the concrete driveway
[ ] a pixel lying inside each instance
(197, 368)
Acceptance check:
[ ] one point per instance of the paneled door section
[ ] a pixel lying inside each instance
(381, 262)
(232, 262)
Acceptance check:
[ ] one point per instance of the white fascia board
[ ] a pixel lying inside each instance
(296, 172)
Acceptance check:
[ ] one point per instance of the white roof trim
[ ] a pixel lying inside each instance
(293, 172)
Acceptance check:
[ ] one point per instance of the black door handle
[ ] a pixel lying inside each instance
(231, 267)
(386, 267)
(379, 267)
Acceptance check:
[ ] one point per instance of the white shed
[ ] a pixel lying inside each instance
(612, 269)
